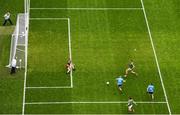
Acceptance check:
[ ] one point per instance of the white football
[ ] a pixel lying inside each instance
(107, 82)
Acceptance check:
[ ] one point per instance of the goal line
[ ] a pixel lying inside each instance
(86, 8)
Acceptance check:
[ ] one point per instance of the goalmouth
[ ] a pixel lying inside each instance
(19, 41)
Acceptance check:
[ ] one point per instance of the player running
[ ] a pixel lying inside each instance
(120, 81)
(130, 68)
(150, 90)
(130, 104)
(70, 66)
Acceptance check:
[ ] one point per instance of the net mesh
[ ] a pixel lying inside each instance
(18, 42)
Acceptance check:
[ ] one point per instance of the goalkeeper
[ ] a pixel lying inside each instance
(70, 66)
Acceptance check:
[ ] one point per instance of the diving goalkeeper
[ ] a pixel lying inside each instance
(70, 66)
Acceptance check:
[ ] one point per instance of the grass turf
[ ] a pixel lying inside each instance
(100, 40)
(11, 87)
(102, 44)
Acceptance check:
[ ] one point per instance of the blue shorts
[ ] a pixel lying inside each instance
(120, 85)
(150, 92)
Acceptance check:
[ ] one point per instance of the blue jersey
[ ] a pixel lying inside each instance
(119, 81)
(150, 88)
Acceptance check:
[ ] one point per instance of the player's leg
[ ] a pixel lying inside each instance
(130, 108)
(133, 72)
(13, 70)
(68, 69)
(10, 21)
(73, 67)
(152, 96)
(5, 21)
(126, 72)
(120, 88)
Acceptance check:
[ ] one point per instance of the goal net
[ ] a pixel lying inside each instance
(19, 39)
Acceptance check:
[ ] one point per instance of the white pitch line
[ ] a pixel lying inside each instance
(154, 51)
(89, 102)
(26, 54)
(60, 87)
(86, 8)
(70, 52)
(49, 18)
(24, 94)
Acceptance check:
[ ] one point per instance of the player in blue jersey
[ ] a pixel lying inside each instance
(120, 81)
(150, 90)
(130, 69)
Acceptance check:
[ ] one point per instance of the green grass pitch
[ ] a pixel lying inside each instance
(102, 43)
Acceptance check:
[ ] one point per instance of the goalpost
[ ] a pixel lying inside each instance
(19, 41)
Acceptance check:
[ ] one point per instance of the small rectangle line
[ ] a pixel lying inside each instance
(49, 19)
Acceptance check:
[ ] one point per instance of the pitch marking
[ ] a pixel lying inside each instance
(91, 102)
(86, 8)
(59, 87)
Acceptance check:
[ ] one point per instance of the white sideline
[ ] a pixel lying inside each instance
(86, 8)
(59, 87)
(154, 51)
(95, 102)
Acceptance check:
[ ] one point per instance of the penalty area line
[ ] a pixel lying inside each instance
(98, 102)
